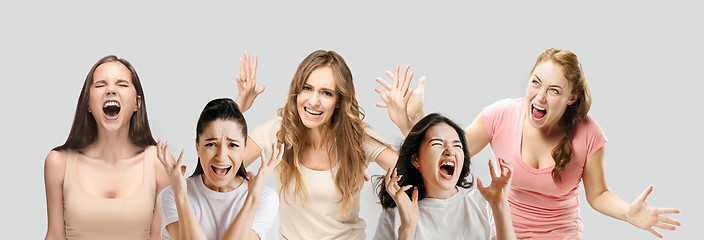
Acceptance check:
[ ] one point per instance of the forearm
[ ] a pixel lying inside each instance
(609, 204)
(241, 227)
(502, 219)
(188, 227)
(407, 231)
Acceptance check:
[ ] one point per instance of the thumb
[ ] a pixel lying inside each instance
(414, 196)
(259, 90)
(421, 84)
(645, 194)
(480, 186)
(183, 169)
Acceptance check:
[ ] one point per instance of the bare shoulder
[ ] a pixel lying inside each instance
(162, 180)
(55, 165)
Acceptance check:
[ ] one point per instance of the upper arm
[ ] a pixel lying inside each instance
(477, 136)
(54, 168)
(162, 181)
(251, 151)
(594, 177)
(387, 159)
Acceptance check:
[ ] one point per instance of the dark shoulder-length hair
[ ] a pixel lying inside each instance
(84, 129)
(225, 109)
(410, 150)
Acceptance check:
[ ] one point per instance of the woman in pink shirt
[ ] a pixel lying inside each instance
(553, 145)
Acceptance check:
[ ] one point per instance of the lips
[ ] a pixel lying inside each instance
(220, 171)
(538, 112)
(312, 112)
(111, 109)
(447, 168)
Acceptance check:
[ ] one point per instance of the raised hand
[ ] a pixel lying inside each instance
(407, 207)
(257, 182)
(402, 103)
(645, 217)
(246, 83)
(174, 169)
(497, 192)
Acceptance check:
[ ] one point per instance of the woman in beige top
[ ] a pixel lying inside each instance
(327, 148)
(103, 181)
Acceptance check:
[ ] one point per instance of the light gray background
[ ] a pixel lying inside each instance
(642, 61)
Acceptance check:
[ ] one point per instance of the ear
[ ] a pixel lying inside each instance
(573, 99)
(139, 103)
(414, 161)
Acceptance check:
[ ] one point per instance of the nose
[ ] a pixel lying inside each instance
(541, 95)
(315, 99)
(111, 90)
(221, 154)
(446, 152)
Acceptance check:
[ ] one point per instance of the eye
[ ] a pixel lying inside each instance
(306, 88)
(535, 82)
(554, 91)
(123, 85)
(329, 93)
(233, 145)
(458, 146)
(209, 144)
(99, 85)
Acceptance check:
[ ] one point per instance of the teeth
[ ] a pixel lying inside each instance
(219, 167)
(539, 108)
(451, 164)
(111, 103)
(313, 112)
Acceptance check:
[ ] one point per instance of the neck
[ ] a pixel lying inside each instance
(112, 145)
(439, 193)
(317, 137)
(234, 184)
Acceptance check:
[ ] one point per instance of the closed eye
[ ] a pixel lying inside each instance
(233, 145)
(209, 144)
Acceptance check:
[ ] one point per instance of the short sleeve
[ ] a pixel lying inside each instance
(264, 135)
(167, 205)
(595, 138)
(386, 228)
(373, 144)
(495, 113)
(266, 212)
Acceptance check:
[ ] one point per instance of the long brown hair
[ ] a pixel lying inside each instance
(345, 132)
(84, 129)
(562, 153)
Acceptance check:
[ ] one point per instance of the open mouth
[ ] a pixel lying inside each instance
(447, 169)
(220, 171)
(111, 109)
(538, 112)
(312, 112)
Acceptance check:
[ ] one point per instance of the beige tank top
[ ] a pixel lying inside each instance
(91, 217)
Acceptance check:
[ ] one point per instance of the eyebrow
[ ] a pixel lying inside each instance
(322, 88)
(228, 138)
(536, 76)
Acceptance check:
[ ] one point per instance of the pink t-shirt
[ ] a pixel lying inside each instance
(539, 207)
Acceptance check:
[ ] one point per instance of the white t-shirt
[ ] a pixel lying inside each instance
(465, 215)
(319, 217)
(215, 211)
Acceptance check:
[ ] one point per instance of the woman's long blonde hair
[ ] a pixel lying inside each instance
(344, 133)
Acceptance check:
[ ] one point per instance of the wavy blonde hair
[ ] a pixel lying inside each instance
(345, 132)
(562, 153)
